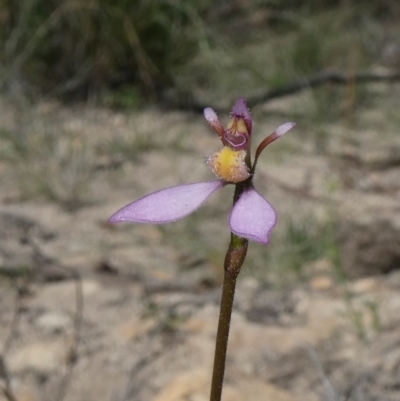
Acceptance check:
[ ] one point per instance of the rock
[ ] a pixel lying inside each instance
(322, 282)
(186, 386)
(255, 390)
(195, 386)
(366, 285)
(54, 322)
(128, 331)
(62, 295)
(368, 217)
(27, 396)
(41, 357)
(369, 246)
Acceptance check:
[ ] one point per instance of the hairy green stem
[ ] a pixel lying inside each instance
(233, 262)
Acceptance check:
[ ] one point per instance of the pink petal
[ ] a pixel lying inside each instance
(253, 217)
(168, 204)
(212, 119)
(241, 110)
(281, 130)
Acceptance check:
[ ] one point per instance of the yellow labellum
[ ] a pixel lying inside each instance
(229, 165)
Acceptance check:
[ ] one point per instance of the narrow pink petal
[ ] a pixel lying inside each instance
(168, 204)
(282, 129)
(210, 115)
(253, 217)
(212, 119)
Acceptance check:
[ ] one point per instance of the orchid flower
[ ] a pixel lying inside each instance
(252, 216)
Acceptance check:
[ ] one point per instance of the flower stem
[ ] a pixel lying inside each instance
(233, 262)
(221, 343)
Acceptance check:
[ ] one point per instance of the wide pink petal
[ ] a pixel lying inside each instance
(168, 204)
(253, 217)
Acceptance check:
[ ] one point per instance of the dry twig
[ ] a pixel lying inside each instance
(299, 84)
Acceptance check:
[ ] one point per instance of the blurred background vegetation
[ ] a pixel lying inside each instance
(129, 52)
